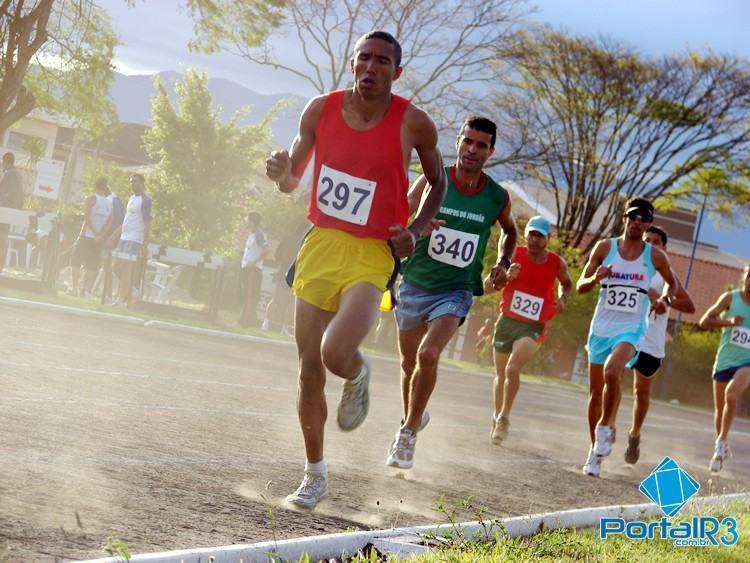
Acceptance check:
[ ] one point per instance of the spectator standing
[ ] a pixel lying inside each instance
(256, 248)
(87, 252)
(133, 237)
(11, 195)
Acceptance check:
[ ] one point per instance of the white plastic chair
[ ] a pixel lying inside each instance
(161, 286)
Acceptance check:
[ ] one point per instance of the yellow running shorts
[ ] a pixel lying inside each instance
(332, 261)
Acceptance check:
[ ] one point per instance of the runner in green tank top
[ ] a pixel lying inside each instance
(731, 376)
(444, 272)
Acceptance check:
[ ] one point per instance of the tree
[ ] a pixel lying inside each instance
(446, 45)
(56, 55)
(725, 191)
(600, 123)
(201, 188)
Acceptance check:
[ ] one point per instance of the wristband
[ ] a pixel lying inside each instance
(505, 261)
(414, 237)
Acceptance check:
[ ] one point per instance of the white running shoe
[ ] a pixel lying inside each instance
(312, 490)
(605, 437)
(425, 420)
(721, 453)
(499, 430)
(402, 449)
(593, 465)
(355, 400)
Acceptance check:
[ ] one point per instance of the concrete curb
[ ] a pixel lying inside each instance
(407, 541)
(70, 310)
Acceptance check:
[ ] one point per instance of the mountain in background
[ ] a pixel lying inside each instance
(132, 98)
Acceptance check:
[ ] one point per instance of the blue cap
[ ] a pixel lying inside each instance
(538, 224)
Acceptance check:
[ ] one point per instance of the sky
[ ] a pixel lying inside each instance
(155, 34)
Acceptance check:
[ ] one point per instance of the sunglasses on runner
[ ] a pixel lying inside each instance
(642, 217)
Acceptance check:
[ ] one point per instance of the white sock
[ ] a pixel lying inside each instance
(320, 467)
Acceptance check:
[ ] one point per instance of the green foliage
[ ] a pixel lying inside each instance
(244, 23)
(585, 545)
(727, 188)
(34, 149)
(599, 122)
(72, 73)
(692, 356)
(117, 178)
(117, 549)
(206, 168)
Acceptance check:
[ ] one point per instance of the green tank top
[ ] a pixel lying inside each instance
(451, 258)
(734, 344)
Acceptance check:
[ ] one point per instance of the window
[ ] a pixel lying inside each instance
(27, 144)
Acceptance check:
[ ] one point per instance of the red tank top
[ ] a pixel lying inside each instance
(531, 296)
(360, 183)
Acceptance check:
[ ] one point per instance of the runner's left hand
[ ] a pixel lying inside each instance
(433, 225)
(514, 271)
(499, 276)
(659, 306)
(403, 240)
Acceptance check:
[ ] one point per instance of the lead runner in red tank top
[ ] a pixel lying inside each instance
(362, 139)
(529, 301)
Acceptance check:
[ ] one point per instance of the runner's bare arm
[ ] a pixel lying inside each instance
(661, 263)
(286, 167)
(105, 227)
(419, 189)
(506, 245)
(712, 318)
(594, 271)
(566, 286)
(425, 138)
(416, 191)
(682, 301)
(421, 134)
(115, 236)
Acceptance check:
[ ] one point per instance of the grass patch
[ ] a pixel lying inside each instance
(585, 545)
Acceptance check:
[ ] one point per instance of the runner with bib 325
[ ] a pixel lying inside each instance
(624, 268)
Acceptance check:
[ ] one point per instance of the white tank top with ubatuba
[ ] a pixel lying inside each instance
(623, 297)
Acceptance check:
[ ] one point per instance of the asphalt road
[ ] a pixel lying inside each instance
(167, 440)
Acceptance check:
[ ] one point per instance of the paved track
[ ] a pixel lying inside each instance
(169, 440)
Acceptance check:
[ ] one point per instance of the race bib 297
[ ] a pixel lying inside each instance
(344, 196)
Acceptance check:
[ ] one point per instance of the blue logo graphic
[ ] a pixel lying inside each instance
(669, 486)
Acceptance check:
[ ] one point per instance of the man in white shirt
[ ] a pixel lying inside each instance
(651, 348)
(87, 252)
(256, 248)
(133, 235)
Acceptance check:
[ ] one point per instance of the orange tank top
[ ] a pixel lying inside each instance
(360, 182)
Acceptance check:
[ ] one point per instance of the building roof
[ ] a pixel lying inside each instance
(125, 145)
